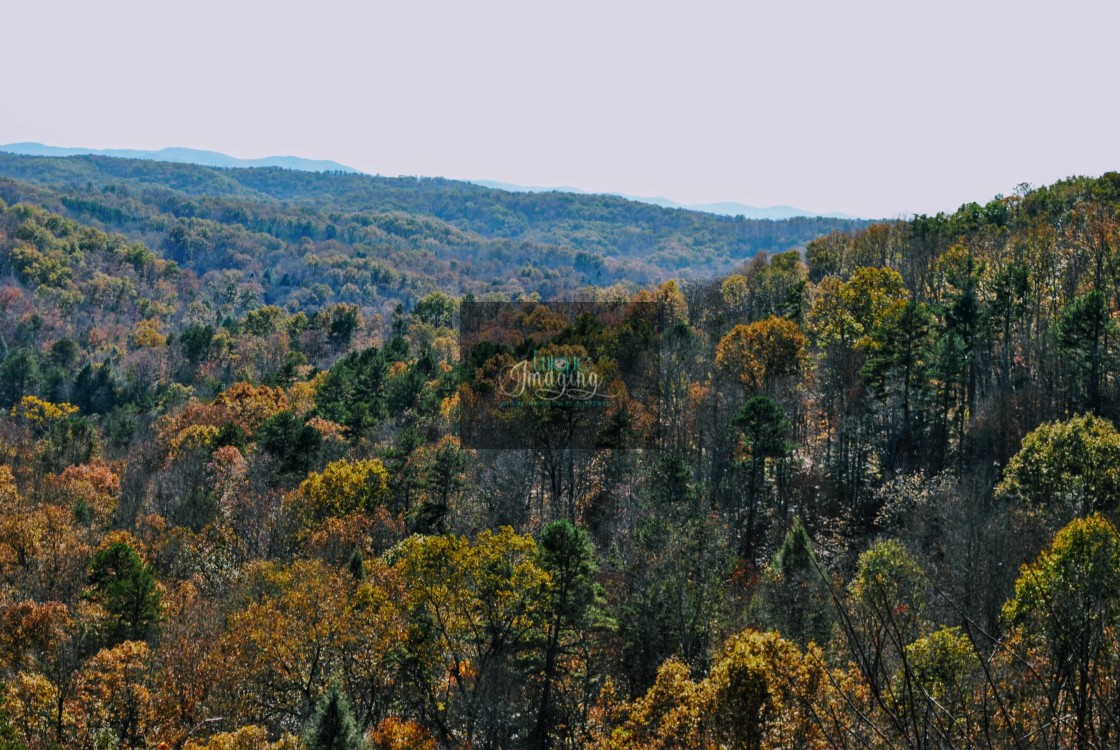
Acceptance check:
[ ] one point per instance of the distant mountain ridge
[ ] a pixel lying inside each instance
(298, 238)
(179, 155)
(725, 208)
(182, 156)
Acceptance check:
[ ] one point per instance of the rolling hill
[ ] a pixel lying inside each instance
(379, 241)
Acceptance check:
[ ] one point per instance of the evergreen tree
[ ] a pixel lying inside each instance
(357, 565)
(332, 725)
(566, 554)
(764, 432)
(290, 440)
(126, 587)
(19, 376)
(1082, 331)
(794, 600)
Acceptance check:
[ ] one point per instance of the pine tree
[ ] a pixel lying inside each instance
(1082, 332)
(765, 434)
(566, 554)
(793, 597)
(126, 587)
(357, 565)
(332, 725)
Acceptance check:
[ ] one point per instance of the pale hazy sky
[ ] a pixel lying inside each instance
(871, 108)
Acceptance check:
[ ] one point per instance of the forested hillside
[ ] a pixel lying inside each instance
(877, 507)
(302, 240)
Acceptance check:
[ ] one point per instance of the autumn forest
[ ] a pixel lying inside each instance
(857, 484)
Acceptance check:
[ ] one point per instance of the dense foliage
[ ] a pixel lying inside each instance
(303, 240)
(882, 512)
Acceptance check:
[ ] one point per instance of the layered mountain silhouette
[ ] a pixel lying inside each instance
(182, 156)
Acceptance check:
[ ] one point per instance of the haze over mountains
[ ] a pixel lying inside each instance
(722, 208)
(181, 155)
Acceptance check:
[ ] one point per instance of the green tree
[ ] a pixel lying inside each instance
(122, 583)
(1082, 332)
(68, 441)
(264, 320)
(293, 442)
(475, 610)
(95, 389)
(932, 694)
(436, 309)
(63, 353)
(443, 477)
(1067, 606)
(194, 342)
(672, 583)
(961, 273)
(1011, 293)
(898, 355)
(332, 726)
(764, 433)
(353, 391)
(566, 555)
(339, 322)
(794, 598)
(887, 608)
(19, 376)
(1065, 469)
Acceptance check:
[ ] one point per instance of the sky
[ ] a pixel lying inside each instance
(870, 108)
